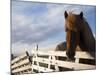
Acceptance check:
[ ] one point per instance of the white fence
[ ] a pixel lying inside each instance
(47, 62)
(21, 65)
(39, 57)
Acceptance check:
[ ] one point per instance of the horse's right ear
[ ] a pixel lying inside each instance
(81, 15)
(65, 14)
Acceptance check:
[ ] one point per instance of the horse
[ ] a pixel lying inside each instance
(78, 34)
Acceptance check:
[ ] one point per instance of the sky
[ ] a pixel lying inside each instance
(41, 23)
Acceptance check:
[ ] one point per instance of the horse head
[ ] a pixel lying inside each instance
(72, 28)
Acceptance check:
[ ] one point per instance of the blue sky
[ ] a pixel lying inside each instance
(43, 23)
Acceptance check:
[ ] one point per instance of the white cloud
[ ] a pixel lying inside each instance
(35, 28)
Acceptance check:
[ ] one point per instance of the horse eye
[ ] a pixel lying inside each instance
(67, 29)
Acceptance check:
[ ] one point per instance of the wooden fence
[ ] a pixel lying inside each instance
(52, 65)
(47, 62)
(21, 64)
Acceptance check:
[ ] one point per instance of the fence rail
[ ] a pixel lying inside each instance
(51, 60)
(47, 62)
(79, 54)
(18, 58)
(21, 64)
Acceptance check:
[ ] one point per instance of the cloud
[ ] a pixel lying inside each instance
(41, 23)
(44, 26)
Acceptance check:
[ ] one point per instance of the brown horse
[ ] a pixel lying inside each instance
(78, 33)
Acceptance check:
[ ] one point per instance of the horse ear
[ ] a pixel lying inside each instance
(81, 15)
(65, 14)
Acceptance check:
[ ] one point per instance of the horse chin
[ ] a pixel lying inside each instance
(70, 55)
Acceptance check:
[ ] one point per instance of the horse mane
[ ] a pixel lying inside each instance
(90, 40)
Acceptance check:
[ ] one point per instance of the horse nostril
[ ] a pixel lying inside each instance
(67, 53)
(70, 55)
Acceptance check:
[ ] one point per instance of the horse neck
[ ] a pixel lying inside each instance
(86, 27)
(87, 35)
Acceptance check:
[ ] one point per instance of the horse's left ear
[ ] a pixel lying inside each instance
(65, 14)
(81, 15)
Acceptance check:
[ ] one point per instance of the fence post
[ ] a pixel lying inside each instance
(49, 62)
(37, 61)
(76, 60)
(56, 66)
